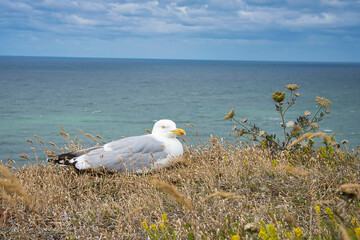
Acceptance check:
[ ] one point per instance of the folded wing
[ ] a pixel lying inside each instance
(133, 154)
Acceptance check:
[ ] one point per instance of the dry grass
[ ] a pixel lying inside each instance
(11, 186)
(311, 136)
(226, 187)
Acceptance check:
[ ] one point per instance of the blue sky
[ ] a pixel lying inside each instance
(279, 30)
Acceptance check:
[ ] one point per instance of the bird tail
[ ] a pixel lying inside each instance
(64, 158)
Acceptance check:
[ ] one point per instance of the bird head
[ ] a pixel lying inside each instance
(167, 128)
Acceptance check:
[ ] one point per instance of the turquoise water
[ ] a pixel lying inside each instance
(123, 97)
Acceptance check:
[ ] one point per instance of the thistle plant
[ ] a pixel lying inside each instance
(304, 124)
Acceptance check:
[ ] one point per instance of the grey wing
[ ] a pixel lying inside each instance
(132, 154)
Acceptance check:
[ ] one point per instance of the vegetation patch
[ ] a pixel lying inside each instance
(264, 189)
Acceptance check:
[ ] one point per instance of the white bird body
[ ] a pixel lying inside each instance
(132, 154)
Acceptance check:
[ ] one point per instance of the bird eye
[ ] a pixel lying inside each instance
(163, 126)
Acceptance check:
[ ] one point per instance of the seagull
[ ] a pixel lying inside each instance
(136, 154)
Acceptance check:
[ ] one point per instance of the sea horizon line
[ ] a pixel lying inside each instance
(182, 59)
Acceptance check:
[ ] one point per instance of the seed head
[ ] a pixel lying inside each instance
(244, 120)
(239, 133)
(307, 113)
(327, 111)
(344, 141)
(303, 144)
(262, 133)
(290, 124)
(296, 131)
(292, 87)
(297, 94)
(323, 101)
(278, 96)
(314, 125)
(251, 227)
(229, 115)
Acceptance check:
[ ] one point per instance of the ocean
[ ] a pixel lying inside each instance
(123, 97)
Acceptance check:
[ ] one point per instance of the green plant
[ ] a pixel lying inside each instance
(303, 125)
(163, 231)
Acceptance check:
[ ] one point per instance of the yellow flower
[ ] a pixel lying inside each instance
(162, 226)
(164, 218)
(235, 237)
(145, 226)
(357, 232)
(229, 115)
(317, 209)
(263, 235)
(329, 212)
(323, 101)
(292, 86)
(272, 230)
(153, 227)
(278, 96)
(263, 144)
(298, 232)
(274, 164)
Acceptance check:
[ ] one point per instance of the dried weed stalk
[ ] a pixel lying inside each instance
(10, 185)
(171, 190)
(221, 194)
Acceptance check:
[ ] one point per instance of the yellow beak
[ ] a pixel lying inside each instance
(179, 131)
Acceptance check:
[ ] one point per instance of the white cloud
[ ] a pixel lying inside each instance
(259, 16)
(79, 20)
(335, 3)
(15, 6)
(92, 6)
(33, 38)
(270, 17)
(134, 8)
(312, 20)
(208, 18)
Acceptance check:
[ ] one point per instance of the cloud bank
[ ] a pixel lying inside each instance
(240, 20)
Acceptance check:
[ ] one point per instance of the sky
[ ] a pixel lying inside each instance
(268, 30)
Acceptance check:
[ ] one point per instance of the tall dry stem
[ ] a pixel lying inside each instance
(171, 190)
(11, 184)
